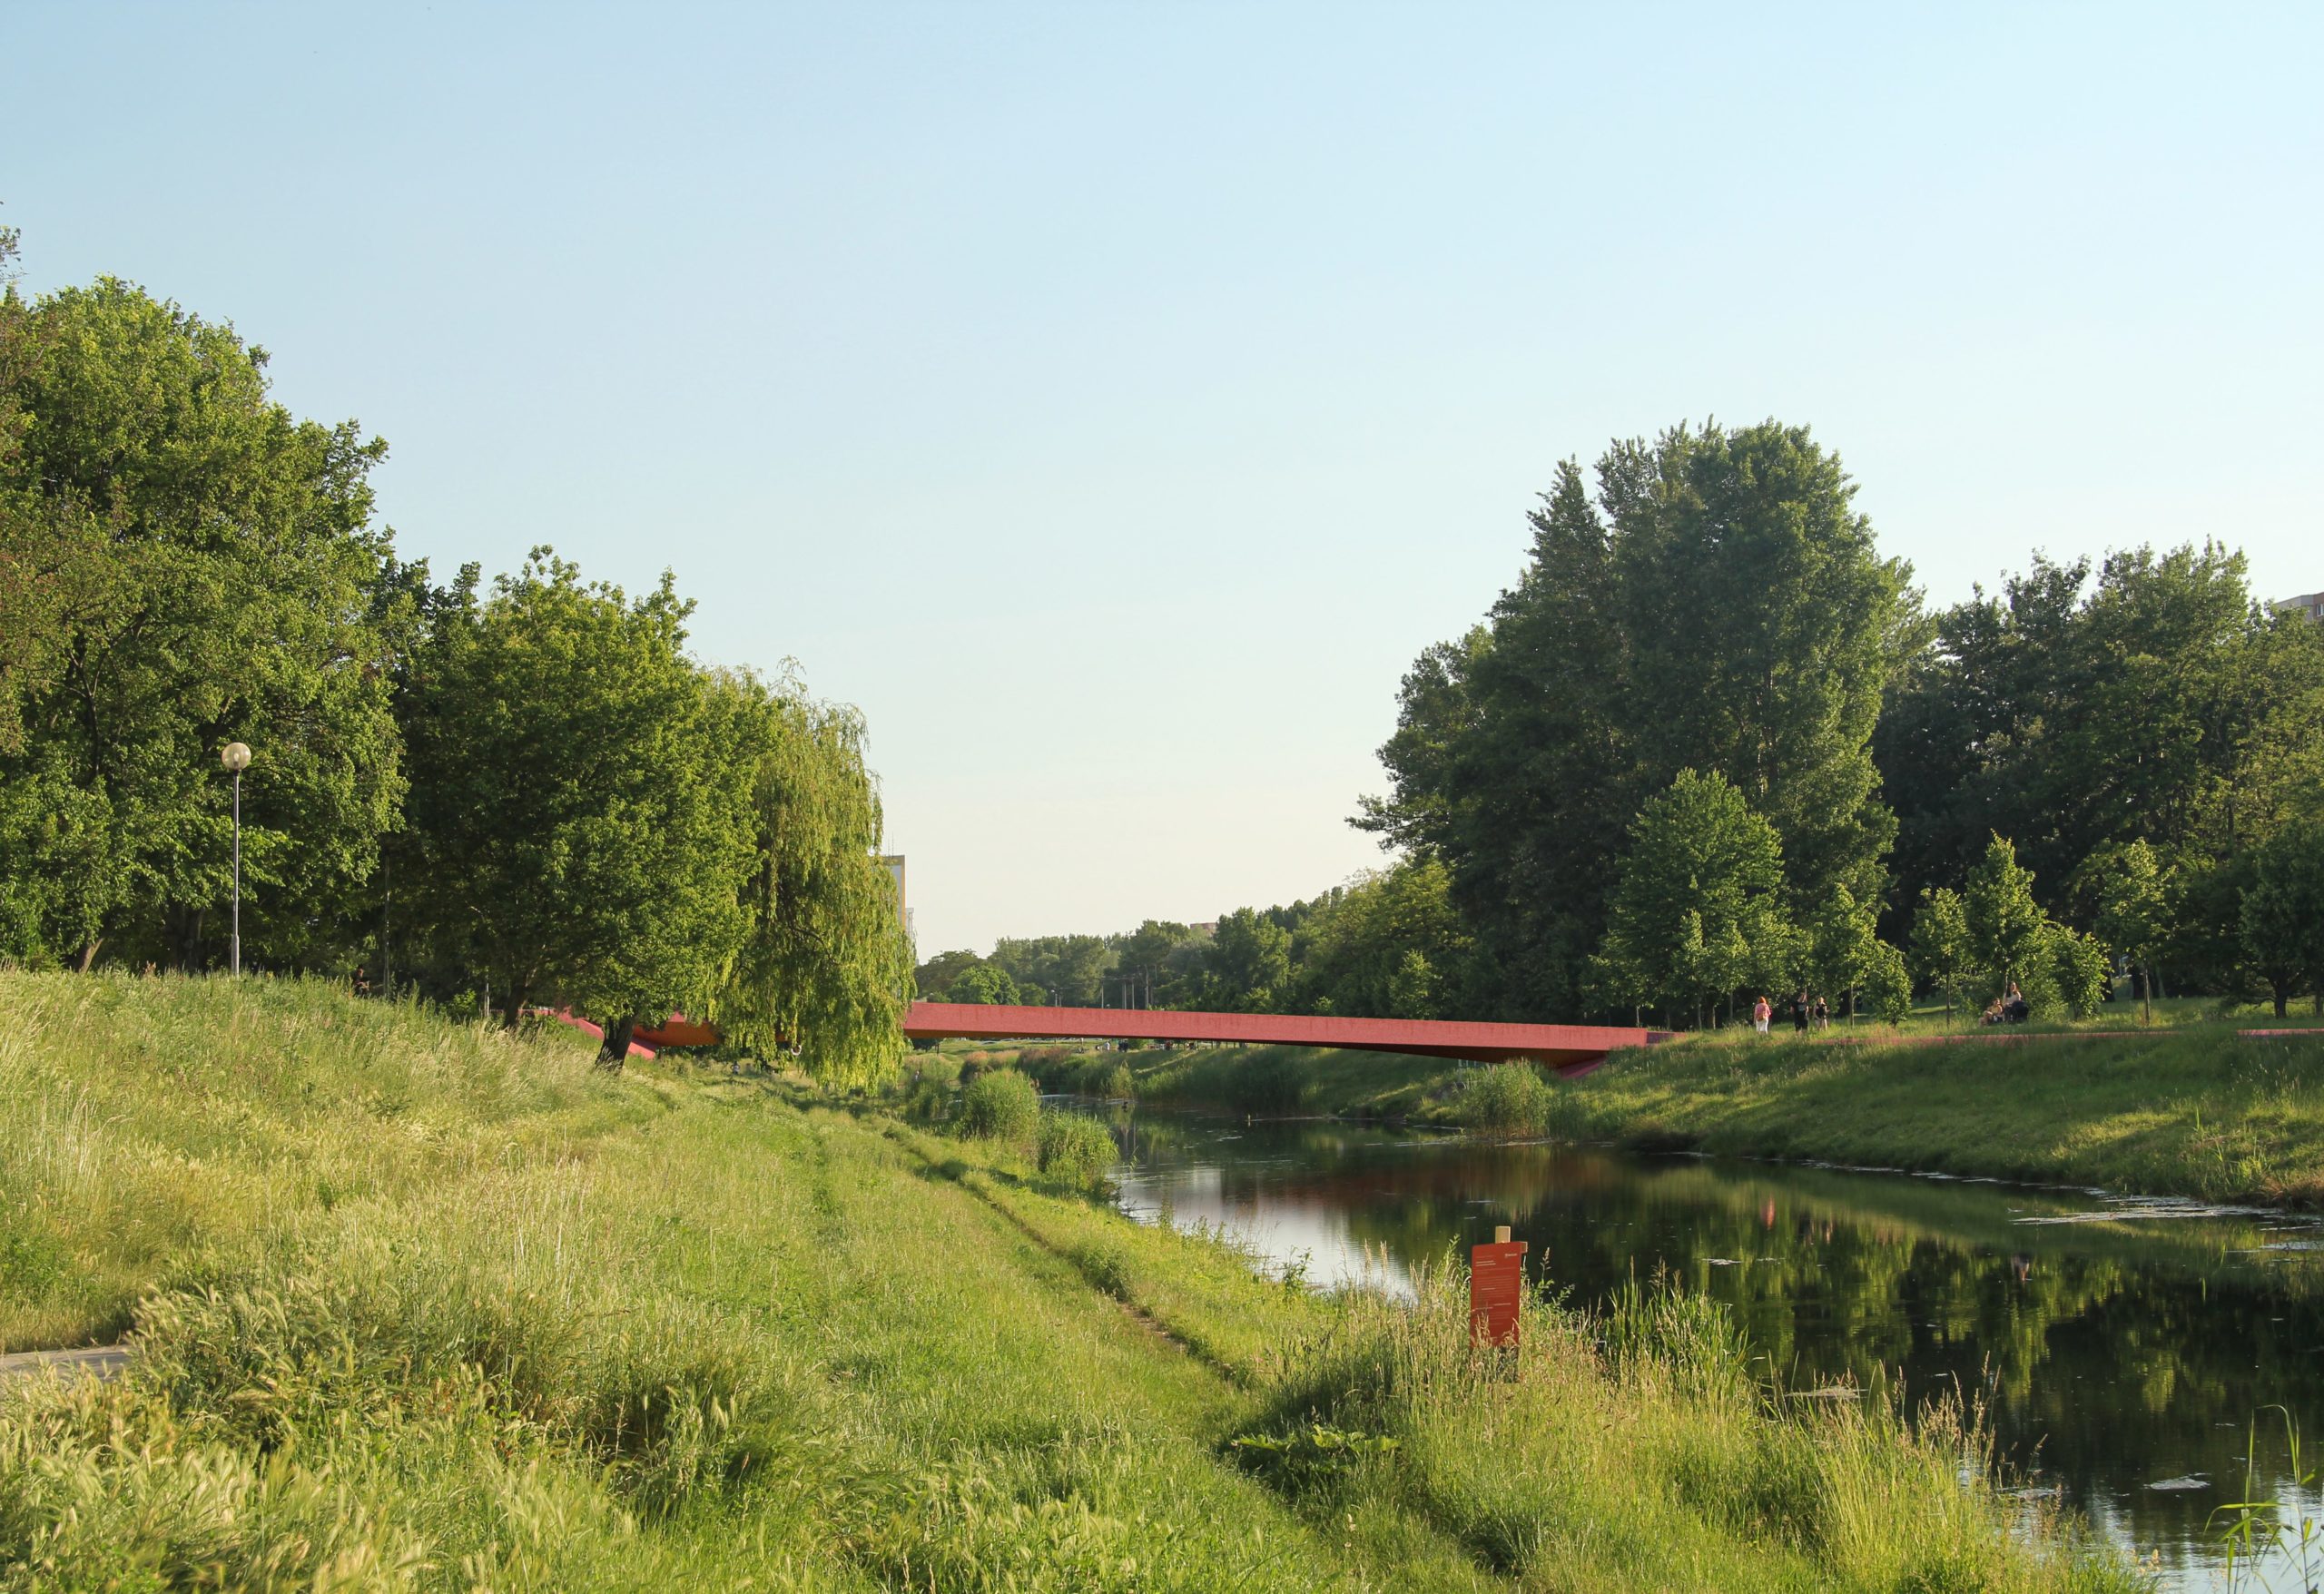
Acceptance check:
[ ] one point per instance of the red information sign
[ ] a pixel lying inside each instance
(1496, 1282)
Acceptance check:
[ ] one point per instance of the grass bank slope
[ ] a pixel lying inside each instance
(417, 1307)
(2191, 1111)
(156, 1127)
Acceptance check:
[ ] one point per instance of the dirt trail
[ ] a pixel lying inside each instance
(100, 1361)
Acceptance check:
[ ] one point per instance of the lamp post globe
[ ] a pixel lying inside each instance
(236, 757)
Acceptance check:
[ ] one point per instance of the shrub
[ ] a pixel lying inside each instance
(1508, 1099)
(1075, 1148)
(1052, 1068)
(1062, 1072)
(928, 1101)
(1887, 986)
(2079, 965)
(1001, 1104)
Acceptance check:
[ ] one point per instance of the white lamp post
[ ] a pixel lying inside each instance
(237, 758)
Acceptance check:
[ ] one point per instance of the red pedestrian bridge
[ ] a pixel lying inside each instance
(1572, 1049)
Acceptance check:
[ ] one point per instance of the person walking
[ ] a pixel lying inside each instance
(1823, 1014)
(1760, 1013)
(1799, 1012)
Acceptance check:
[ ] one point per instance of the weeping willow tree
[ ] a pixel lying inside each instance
(824, 970)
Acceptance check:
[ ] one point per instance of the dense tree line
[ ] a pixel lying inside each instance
(514, 794)
(1712, 744)
(1385, 944)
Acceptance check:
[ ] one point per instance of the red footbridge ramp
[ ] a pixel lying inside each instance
(1572, 1049)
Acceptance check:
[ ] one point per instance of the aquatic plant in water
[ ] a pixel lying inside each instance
(2253, 1529)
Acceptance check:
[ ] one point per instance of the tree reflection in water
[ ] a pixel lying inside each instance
(2113, 1346)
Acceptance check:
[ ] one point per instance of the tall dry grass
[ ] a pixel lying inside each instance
(156, 1127)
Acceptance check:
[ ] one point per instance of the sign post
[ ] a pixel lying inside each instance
(1496, 1284)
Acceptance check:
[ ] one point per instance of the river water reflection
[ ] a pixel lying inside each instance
(2120, 1347)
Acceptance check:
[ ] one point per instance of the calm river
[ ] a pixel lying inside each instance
(2120, 1347)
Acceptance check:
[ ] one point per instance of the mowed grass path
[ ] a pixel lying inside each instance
(418, 1306)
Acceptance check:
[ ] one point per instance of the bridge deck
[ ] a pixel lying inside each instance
(1572, 1049)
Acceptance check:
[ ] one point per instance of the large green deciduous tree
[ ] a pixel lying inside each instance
(984, 985)
(1069, 969)
(1718, 605)
(1700, 907)
(2013, 943)
(824, 966)
(2134, 909)
(1247, 968)
(1390, 945)
(2080, 711)
(1842, 946)
(182, 564)
(2282, 913)
(582, 801)
(1161, 962)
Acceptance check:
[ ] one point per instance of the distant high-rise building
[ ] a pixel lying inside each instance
(895, 861)
(2310, 603)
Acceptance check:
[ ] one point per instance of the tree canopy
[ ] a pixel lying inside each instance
(572, 810)
(1697, 910)
(1709, 741)
(1716, 605)
(2096, 763)
(823, 966)
(191, 566)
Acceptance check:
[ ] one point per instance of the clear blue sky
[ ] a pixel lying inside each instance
(1112, 400)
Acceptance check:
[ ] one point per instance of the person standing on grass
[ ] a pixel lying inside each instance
(1823, 1014)
(1799, 1013)
(1760, 1013)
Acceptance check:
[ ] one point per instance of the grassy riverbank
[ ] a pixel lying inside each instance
(2178, 1109)
(419, 1306)
(2191, 1111)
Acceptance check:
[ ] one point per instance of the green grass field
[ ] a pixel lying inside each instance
(422, 1307)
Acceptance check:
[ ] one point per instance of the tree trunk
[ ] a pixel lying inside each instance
(514, 1015)
(88, 955)
(615, 1051)
(182, 930)
(2282, 1001)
